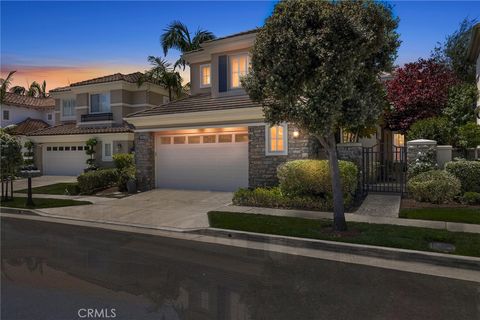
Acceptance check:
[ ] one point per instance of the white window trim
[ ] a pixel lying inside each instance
(8, 115)
(64, 117)
(201, 76)
(284, 152)
(230, 87)
(105, 157)
(90, 102)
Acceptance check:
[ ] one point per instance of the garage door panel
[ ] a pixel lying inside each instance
(64, 162)
(221, 166)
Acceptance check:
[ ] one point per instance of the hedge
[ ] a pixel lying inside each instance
(435, 186)
(468, 172)
(312, 177)
(93, 181)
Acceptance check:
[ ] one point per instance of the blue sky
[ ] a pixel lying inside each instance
(70, 41)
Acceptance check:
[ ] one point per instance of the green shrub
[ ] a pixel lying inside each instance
(469, 135)
(312, 177)
(275, 198)
(471, 198)
(461, 103)
(435, 186)
(125, 164)
(468, 172)
(93, 181)
(436, 128)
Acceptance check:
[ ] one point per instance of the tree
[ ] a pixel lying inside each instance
(11, 161)
(316, 65)
(453, 52)
(177, 36)
(461, 104)
(162, 74)
(34, 90)
(5, 85)
(419, 90)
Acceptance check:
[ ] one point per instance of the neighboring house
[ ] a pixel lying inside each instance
(474, 56)
(92, 109)
(215, 139)
(17, 108)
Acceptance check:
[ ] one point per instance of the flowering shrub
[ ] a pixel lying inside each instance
(434, 186)
(425, 161)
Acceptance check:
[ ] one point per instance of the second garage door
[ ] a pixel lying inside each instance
(202, 162)
(64, 159)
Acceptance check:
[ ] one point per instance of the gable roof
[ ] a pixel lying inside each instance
(130, 78)
(13, 99)
(29, 125)
(198, 103)
(72, 128)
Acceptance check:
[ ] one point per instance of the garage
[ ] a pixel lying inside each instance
(207, 161)
(64, 159)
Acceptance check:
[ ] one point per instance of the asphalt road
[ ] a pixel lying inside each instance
(53, 271)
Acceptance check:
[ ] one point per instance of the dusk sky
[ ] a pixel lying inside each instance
(65, 42)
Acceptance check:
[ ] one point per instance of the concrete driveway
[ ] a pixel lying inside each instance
(159, 208)
(42, 181)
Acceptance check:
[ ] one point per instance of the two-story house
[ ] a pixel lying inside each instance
(217, 138)
(92, 109)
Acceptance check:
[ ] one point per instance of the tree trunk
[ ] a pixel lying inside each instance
(339, 223)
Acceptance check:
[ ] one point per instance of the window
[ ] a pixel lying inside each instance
(209, 139)
(398, 143)
(54, 148)
(238, 69)
(107, 151)
(100, 103)
(224, 138)
(165, 140)
(49, 148)
(67, 148)
(398, 140)
(68, 108)
(80, 148)
(49, 117)
(276, 140)
(60, 148)
(6, 114)
(193, 139)
(241, 137)
(74, 148)
(179, 140)
(204, 75)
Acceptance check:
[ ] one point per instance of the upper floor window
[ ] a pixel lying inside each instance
(68, 108)
(238, 69)
(6, 115)
(100, 102)
(276, 139)
(205, 75)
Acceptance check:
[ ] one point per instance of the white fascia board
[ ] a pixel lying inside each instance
(246, 115)
(123, 136)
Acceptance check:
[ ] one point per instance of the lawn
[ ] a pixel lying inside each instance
(465, 215)
(57, 188)
(362, 233)
(19, 202)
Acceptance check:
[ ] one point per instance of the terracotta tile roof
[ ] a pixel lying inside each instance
(131, 78)
(71, 128)
(29, 125)
(19, 100)
(198, 103)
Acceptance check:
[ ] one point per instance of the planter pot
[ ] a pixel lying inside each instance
(132, 186)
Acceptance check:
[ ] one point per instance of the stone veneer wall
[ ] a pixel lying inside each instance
(145, 160)
(262, 169)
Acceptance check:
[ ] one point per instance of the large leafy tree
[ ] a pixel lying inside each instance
(163, 74)
(453, 51)
(316, 64)
(419, 90)
(177, 36)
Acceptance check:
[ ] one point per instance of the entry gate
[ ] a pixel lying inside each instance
(384, 169)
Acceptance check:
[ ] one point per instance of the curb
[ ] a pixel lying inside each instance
(29, 212)
(439, 259)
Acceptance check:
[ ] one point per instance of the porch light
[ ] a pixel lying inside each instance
(296, 133)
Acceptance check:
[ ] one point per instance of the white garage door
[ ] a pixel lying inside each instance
(203, 162)
(64, 159)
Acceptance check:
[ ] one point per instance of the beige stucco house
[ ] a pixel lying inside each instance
(93, 108)
(474, 55)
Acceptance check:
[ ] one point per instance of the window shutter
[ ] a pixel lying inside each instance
(222, 73)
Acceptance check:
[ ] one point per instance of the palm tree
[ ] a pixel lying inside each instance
(5, 85)
(18, 90)
(162, 74)
(177, 36)
(34, 90)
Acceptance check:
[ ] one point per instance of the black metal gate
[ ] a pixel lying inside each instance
(384, 169)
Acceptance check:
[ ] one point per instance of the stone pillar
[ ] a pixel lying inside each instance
(353, 152)
(420, 147)
(145, 160)
(444, 155)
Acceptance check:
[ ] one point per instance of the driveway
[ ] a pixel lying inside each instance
(42, 181)
(159, 208)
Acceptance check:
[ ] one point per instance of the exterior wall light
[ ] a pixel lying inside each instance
(296, 134)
